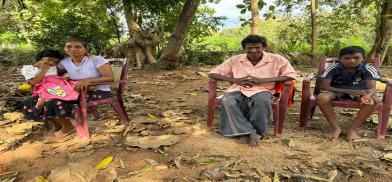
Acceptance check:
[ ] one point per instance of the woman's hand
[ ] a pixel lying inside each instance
(82, 85)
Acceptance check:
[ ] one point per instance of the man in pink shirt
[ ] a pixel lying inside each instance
(246, 107)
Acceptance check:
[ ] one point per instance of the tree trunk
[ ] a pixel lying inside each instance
(141, 44)
(254, 5)
(314, 30)
(383, 32)
(169, 55)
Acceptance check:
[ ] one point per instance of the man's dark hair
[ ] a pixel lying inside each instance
(254, 39)
(351, 50)
(49, 53)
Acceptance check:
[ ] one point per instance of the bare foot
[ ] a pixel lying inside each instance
(352, 135)
(244, 139)
(64, 131)
(333, 135)
(53, 126)
(254, 139)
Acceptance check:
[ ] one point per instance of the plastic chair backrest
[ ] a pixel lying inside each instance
(120, 73)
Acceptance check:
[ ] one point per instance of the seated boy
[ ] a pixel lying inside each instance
(349, 79)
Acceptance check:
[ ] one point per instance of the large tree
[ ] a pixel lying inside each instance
(313, 11)
(254, 6)
(169, 56)
(383, 31)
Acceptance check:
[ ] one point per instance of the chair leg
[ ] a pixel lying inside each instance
(312, 112)
(383, 118)
(281, 117)
(120, 111)
(275, 112)
(93, 110)
(81, 118)
(304, 115)
(210, 115)
(121, 101)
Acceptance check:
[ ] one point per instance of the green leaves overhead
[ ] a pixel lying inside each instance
(246, 7)
(240, 6)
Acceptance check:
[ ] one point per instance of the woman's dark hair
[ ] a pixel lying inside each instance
(49, 53)
(351, 50)
(77, 40)
(254, 39)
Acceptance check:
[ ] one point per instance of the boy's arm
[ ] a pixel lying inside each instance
(326, 85)
(371, 85)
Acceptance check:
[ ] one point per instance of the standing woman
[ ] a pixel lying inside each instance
(87, 68)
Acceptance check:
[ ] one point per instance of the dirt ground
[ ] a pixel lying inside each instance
(175, 103)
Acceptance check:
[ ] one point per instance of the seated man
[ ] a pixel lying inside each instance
(246, 107)
(349, 79)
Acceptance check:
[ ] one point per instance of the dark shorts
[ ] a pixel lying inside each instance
(340, 96)
(58, 108)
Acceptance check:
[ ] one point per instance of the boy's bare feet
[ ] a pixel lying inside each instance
(254, 139)
(352, 135)
(333, 134)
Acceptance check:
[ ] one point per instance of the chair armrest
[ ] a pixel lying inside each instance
(212, 87)
(306, 87)
(285, 94)
(386, 81)
(306, 83)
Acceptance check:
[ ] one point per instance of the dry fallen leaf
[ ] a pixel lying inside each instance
(75, 172)
(151, 141)
(104, 163)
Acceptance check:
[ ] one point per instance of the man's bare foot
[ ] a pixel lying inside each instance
(244, 139)
(333, 135)
(254, 139)
(352, 135)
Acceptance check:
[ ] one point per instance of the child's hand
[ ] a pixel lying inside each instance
(367, 99)
(357, 93)
(42, 64)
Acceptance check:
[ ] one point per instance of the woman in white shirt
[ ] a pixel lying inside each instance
(87, 69)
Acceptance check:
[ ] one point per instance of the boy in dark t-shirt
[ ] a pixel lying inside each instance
(349, 79)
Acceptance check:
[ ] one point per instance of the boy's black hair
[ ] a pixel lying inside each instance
(351, 50)
(254, 39)
(49, 53)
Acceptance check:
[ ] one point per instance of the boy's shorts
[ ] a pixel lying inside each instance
(341, 96)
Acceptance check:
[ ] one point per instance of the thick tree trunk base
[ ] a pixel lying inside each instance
(170, 63)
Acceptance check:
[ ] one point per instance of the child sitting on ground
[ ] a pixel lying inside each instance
(47, 84)
(351, 78)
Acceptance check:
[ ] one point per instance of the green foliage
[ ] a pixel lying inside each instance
(48, 23)
(13, 57)
(203, 24)
(245, 7)
(57, 29)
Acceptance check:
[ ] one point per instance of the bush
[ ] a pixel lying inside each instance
(15, 57)
(208, 57)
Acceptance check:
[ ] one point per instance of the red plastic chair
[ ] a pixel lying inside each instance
(279, 105)
(308, 102)
(116, 101)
